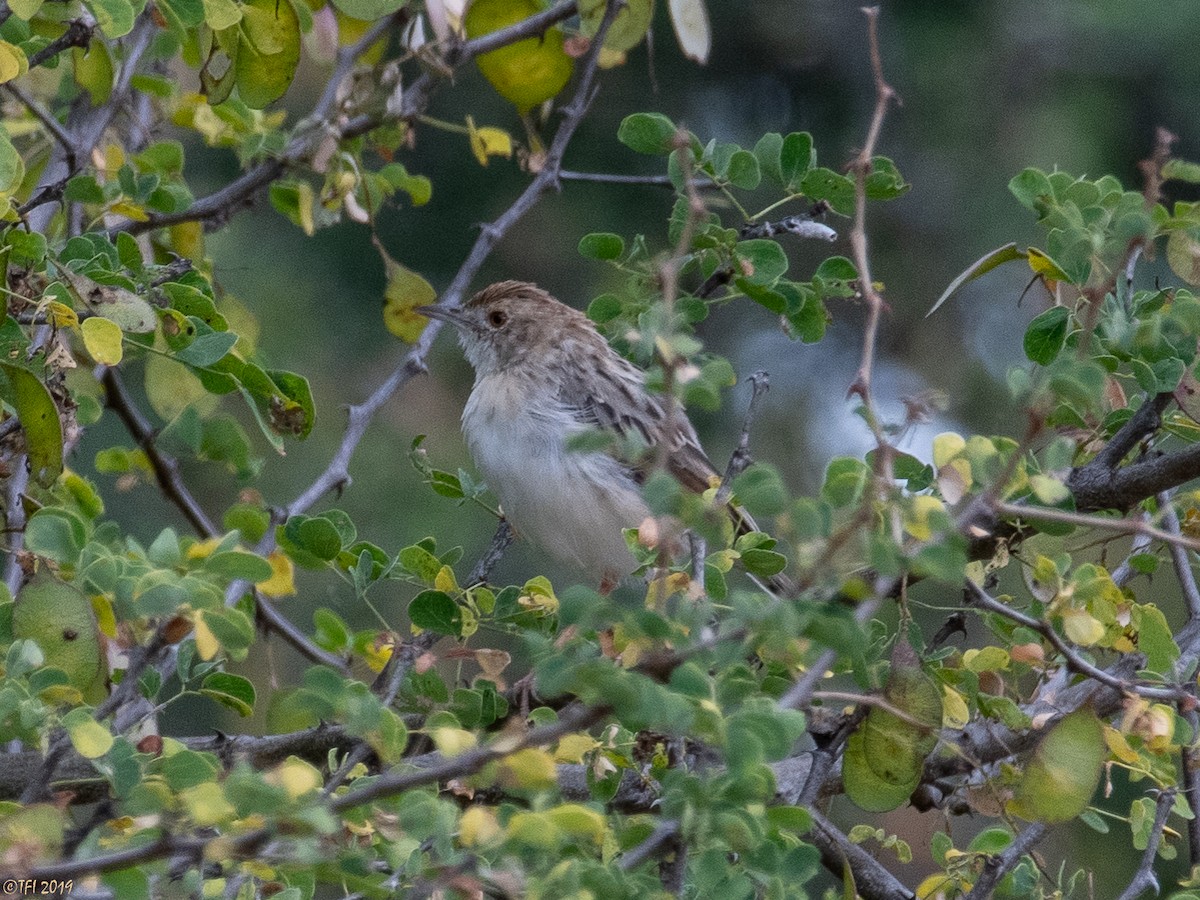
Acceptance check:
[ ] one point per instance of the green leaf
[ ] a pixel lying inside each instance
(12, 166)
(627, 29)
(764, 563)
(435, 611)
(39, 420)
(743, 171)
(207, 348)
(651, 133)
(229, 690)
(761, 490)
(297, 416)
(115, 17)
(835, 188)
(796, 157)
(268, 51)
(604, 308)
(221, 14)
(601, 245)
(763, 260)
(981, 266)
(420, 562)
(90, 739)
(1032, 188)
(317, 535)
(768, 151)
(1046, 334)
(1059, 780)
(239, 564)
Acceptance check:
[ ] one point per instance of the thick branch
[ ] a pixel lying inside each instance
(871, 880)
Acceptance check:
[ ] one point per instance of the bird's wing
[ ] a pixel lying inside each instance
(613, 398)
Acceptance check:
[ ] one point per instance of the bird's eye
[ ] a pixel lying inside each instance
(497, 318)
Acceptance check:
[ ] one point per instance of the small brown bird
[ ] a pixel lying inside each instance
(543, 375)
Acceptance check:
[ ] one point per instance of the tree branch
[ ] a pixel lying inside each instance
(998, 866)
(1145, 879)
(78, 34)
(871, 880)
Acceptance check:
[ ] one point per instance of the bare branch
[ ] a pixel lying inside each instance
(802, 226)
(78, 34)
(1121, 526)
(1145, 879)
(884, 94)
(1179, 556)
(760, 383)
(43, 115)
(660, 838)
(166, 468)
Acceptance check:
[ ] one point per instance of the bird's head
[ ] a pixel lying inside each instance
(506, 322)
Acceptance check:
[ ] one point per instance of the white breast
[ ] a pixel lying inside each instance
(573, 505)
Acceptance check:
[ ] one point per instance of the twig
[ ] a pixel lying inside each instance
(884, 94)
(1121, 526)
(997, 867)
(501, 541)
(876, 701)
(15, 522)
(1191, 782)
(760, 383)
(166, 468)
(1179, 556)
(1143, 423)
(44, 116)
(800, 693)
(1124, 573)
(614, 178)
(1144, 878)
(78, 34)
(1074, 661)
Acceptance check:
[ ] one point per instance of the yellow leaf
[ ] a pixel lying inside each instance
(203, 549)
(13, 63)
(916, 516)
(282, 582)
(690, 20)
(129, 211)
(1118, 746)
(106, 619)
(576, 819)
(405, 291)
(207, 644)
(478, 825)
(102, 337)
(955, 713)
(452, 741)
(573, 747)
(295, 776)
(1082, 627)
(207, 805)
(488, 141)
(445, 580)
(61, 314)
(1042, 264)
(89, 738)
(539, 594)
(531, 768)
(946, 446)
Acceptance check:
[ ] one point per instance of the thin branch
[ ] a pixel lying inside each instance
(501, 541)
(884, 94)
(998, 866)
(760, 383)
(1191, 781)
(799, 694)
(1121, 526)
(876, 701)
(1124, 573)
(78, 34)
(166, 468)
(614, 178)
(1179, 556)
(1074, 661)
(43, 115)
(1144, 422)
(1145, 879)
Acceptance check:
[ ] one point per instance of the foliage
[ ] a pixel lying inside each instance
(544, 738)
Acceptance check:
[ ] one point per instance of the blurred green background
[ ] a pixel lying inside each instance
(988, 88)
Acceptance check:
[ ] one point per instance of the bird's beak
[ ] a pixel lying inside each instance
(453, 315)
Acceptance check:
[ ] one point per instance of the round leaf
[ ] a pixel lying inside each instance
(102, 337)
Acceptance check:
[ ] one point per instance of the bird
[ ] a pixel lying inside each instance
(544, 375)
